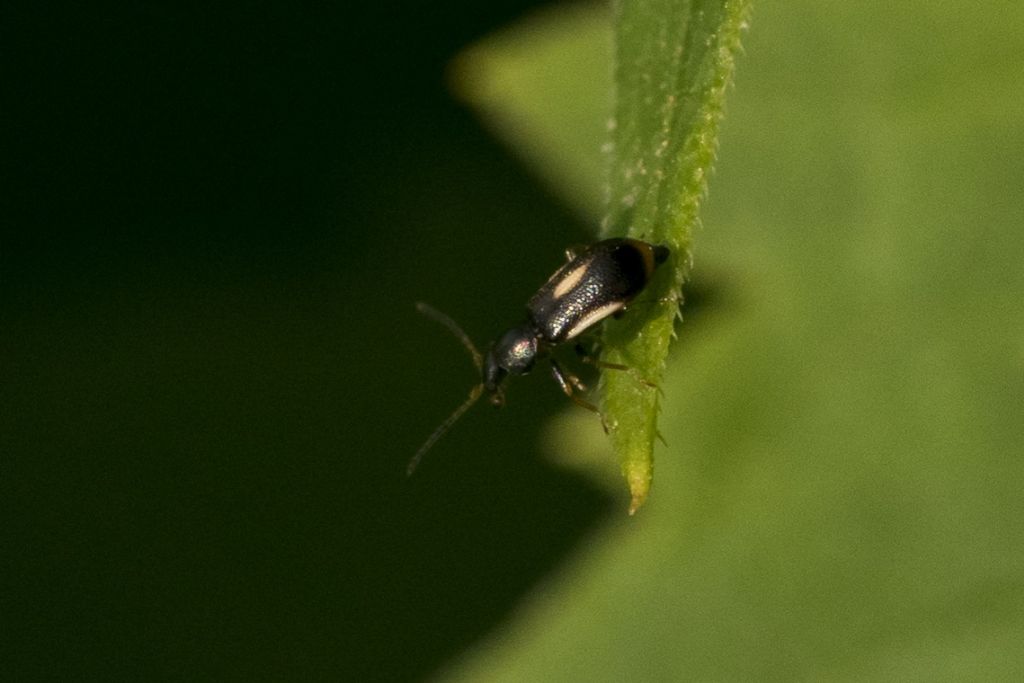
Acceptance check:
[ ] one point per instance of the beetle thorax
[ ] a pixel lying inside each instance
(513, 354)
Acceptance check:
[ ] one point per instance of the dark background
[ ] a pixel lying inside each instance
(215, 223)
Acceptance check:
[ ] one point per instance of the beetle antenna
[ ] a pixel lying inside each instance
(453, 327)
(474, 394)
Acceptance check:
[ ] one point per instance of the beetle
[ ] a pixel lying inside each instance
(593, 284)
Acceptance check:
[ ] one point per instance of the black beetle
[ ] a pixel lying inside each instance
(594, 283)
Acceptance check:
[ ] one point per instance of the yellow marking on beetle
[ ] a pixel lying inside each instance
(569, 281)
(595, 316)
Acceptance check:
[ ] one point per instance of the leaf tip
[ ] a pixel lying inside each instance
(639, 485)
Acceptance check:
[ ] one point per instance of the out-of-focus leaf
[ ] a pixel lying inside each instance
(556, 67)
(840, 498)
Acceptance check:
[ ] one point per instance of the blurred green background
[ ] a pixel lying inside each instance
(216, 221)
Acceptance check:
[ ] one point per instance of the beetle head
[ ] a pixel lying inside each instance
(513, 354)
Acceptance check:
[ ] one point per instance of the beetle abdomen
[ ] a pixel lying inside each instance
(595, 284)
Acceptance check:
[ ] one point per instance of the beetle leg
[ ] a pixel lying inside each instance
(575, 381)
(573, 251)
(587, 358)
(567, 382)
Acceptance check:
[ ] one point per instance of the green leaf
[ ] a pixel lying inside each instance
(544, 85)
(673, 63)
(841, 497)
(673, 60)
